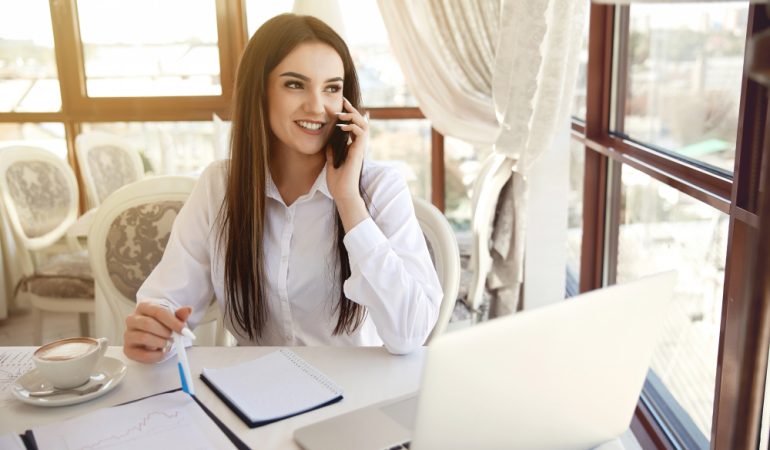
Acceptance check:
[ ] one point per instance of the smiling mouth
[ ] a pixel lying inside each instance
(312, 126)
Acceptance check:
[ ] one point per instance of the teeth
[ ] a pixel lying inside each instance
(309, 125)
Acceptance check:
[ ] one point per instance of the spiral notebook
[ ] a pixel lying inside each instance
(273, 387)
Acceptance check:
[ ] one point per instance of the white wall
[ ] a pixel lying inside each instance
(546, 250)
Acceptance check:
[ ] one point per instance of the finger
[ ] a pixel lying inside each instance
(136, 338)
(142, 355)
(355, 129)
(349, 106)
(147, 324)
(183, 313)
(162, 315)
(354, 117)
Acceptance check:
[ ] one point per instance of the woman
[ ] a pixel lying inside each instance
(295, 250)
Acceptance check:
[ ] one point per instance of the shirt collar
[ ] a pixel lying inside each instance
(271, 190)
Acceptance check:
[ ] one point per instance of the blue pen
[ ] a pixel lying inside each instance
(182, 363)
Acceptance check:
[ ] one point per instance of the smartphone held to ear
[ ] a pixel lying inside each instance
(339, 143)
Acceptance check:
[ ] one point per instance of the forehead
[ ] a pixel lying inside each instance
(315, 60)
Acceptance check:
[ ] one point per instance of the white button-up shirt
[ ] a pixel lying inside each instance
(392, 273)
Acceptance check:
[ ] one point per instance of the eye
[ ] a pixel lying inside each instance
(334, 88)
(293, 84)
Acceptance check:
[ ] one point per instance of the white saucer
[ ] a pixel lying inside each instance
(109, 372)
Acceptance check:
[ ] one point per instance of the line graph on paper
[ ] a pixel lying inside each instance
(160, 422)
(153, 424)
(13, 364)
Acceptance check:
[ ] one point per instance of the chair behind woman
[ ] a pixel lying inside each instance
(128, 235)
(40, 196)
(106, 162)
(445, 255)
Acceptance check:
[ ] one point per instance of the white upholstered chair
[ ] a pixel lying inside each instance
(40, 196)
(106, 163)
(494, 173)
(445, 254)
(128, 235)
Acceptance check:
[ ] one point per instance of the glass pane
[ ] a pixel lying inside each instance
(28, 78)
(145, 48)
(684, 78)
(575, 215)
(167, 148)
(462, 163)
(406, 145)
(382, 82)
(380, 76)
(581, 85)
(259, 11)
(661, 229)
(47, 135)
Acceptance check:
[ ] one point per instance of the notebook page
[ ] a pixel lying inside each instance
(160, 422)
(273, 386)
(11, 441)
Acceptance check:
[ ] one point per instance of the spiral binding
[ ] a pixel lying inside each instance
(311, 371)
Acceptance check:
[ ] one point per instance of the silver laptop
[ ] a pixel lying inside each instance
(565, 376)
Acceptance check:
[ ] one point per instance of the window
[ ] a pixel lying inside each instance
(662, 185)
(48, 136)
(664, 229)
(407, 144)
(581, 88)
(28, 77)
(382, 82)
(575, 216)
(131, 51)
(167, 148)
(463, 163)
(683, 69)
(259, 11)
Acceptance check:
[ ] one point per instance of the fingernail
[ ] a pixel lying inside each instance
(341, 124)
(186, 332)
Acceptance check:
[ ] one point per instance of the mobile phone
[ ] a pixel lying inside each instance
(339, 143)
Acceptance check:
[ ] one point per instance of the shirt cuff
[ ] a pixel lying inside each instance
(362, 239)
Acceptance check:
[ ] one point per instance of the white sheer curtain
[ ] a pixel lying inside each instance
(495, 73)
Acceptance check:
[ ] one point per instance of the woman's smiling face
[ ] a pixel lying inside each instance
(303, 94)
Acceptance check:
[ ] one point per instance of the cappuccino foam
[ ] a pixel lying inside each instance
(66, 350)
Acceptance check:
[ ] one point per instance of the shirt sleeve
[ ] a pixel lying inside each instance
(391, 269)
(183, 276)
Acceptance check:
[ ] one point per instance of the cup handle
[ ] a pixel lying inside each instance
(103, 344)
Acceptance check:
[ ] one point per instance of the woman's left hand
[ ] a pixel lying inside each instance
(343, 181)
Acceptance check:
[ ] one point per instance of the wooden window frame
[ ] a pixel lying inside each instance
(745, 326)
(77, 108)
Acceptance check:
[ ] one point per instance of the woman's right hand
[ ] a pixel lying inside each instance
(148, 331)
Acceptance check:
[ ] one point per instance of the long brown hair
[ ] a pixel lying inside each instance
(242, 217)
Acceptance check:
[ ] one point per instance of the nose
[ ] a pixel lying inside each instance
(314, 103)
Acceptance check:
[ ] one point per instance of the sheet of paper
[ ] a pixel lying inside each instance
(13, 364)
(164, 421)
(11, 441)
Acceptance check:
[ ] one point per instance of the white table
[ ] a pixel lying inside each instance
(367, 375)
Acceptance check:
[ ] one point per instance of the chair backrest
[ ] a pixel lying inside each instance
(128, 235)
(106, 162)
(494, 173)
(442, 245)
(40, 195)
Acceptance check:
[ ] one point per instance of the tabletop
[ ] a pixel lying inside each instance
(366, 374)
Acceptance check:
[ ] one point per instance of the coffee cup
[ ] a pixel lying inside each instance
(68, 363)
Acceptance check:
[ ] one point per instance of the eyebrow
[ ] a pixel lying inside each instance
(304, 78)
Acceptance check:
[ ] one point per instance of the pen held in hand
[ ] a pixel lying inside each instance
(183, 364)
